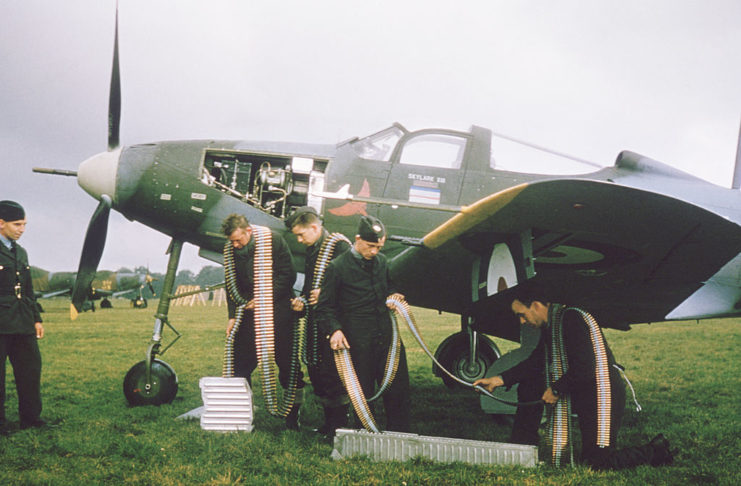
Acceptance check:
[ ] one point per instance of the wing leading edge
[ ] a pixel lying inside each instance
(626, 254)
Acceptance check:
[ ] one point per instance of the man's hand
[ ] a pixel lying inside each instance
(489, 383)
(549, 396)
(39, 330)
(250, 305)
(338, 341)
(230, 326)
(314, 296)
(297, 304)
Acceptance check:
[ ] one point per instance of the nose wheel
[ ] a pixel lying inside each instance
(161, 387)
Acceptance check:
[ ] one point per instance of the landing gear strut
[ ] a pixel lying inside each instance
(152, 381)
(466, 354)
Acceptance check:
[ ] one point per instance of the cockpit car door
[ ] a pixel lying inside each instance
(427, 169)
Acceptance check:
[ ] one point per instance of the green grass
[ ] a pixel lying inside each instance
(686, 375)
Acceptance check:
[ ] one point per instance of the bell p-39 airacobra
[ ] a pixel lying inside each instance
(636, 242)
(105, 284)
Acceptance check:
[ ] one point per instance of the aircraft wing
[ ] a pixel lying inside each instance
(46, 295)
(119, 293)
(625, 254)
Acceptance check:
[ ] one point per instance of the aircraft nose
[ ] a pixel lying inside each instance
(97, 175)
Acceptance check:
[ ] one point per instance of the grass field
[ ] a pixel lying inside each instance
(686, 376)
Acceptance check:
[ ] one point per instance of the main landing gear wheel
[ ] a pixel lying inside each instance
(453, 355)
(162, 389)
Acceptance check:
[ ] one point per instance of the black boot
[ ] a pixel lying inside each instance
(337, 419)
(334, 418)
(326, 426)
(662, 455)
(292, 419)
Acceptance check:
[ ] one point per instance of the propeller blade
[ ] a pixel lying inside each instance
(114, 100)
(737, 168)
(92, 251)
(44, 170)
(150, 279)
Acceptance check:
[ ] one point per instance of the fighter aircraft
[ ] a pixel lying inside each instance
(105, 284)
(636, 242)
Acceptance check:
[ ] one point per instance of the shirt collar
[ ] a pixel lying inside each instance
(6, 241)
(355, 253)
(318, 243)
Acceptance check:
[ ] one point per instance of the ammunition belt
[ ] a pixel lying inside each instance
(402, 307)
(349, 379)
(264, 326)
(346, 370)
(347, 374)
(311, 355)
(559, 416)
(559, 424)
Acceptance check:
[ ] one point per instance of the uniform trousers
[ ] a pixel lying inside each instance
(25, 357)
(369, 349)
(245, 353)
(584, 404)
(325, 379)
(527, 417)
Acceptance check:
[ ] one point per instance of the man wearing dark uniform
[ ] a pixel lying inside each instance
(240, 233)
(353, 313)
(20, 321)
(306, 224)
(578, 366)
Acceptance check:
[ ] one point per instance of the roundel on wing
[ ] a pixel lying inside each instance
(501, 274)
(586, 255)
(570, 255)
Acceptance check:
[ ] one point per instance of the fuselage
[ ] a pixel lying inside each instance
(186, 188)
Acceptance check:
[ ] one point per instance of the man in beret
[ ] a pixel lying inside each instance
(353, 314)
(20, 321)
(306, 224)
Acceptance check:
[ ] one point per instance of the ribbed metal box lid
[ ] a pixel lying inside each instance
(227, 404)
(396, 446)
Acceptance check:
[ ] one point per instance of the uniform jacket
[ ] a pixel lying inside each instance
(354, 294)
(17, 315)
(311, 256)
(580, 377)
(283, 275)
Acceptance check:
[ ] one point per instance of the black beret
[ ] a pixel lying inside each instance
(371, 229)
(291, 219)
(11, 211)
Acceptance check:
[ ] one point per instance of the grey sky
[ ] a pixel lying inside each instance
(661, 78)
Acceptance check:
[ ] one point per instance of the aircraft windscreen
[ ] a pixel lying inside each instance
(516, 156)
(434, 150)
(378, 146)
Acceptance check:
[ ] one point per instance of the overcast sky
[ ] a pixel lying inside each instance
(589, 78)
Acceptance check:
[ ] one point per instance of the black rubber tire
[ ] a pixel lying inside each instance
(163, 388)
(453, 356)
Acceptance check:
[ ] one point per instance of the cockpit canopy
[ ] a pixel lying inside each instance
(445, 149)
